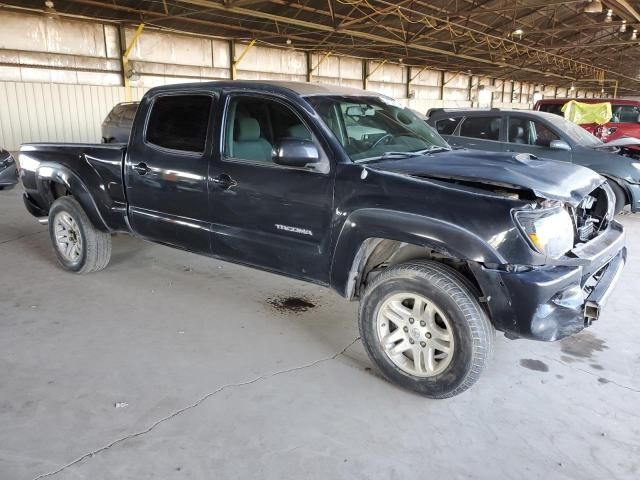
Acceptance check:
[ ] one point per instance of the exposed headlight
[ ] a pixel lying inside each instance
(549, 231)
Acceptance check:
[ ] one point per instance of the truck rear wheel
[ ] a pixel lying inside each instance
(80, 247)
(424, 328)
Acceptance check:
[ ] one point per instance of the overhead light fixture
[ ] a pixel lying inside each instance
(288, 41)
(609, 16)
(49, 10)
(634, 34)
(593, 6)
(518, 32)
(623, 27)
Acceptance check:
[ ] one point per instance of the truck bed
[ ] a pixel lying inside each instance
(94, 169)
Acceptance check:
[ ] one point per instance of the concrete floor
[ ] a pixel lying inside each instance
(219, 383)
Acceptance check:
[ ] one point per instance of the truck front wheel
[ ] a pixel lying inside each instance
(424, 328)
(79, 246)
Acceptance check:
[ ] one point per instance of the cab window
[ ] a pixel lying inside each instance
(255, 127)
(179, 122)
(625, 113)
(484, 128)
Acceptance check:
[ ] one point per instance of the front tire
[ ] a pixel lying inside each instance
(79, 246)
(423, 327)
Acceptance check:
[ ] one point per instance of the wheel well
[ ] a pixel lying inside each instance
(58, 190)
(620, 185)
(376, 254)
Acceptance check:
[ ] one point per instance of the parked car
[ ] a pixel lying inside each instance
(546, 136)
(8, 170)
(440, 246)
(625, 120)
(116, 127)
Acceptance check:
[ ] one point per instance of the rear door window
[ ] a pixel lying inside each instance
(447, 126)
(180, 122)
(485, 128)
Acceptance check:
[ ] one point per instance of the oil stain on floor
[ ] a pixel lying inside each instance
(536, 365)
(582, 346)
(291, 304)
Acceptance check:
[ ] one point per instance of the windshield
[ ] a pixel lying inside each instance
(575, 132)
(370, 127)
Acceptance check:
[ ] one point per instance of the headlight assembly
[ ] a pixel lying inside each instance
(549, 231)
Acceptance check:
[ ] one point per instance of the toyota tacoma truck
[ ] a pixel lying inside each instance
(350, 190)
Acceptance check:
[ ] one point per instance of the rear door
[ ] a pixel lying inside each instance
(533, 135)
(268, 215)
(483, 132)
(166, 170)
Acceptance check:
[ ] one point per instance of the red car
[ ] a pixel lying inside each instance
(625, 121)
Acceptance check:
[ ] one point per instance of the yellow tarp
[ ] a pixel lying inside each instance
(580, 113)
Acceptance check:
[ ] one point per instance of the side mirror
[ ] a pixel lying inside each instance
(295, 152)
(559, 145)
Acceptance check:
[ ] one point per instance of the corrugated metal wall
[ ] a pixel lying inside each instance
(48, 112)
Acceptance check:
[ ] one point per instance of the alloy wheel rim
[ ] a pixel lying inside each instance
(415, 334)
(68, 237)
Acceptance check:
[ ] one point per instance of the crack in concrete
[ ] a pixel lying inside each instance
(597, 375)
(194, 405)
(22, 236)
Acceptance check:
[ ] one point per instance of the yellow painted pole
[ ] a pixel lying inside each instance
(125, 62)
(236, 61)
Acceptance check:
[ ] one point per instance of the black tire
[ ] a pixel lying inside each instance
(453, 294)
(96, 245)
(621, 197)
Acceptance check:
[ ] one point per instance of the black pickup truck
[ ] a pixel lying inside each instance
(347, 189)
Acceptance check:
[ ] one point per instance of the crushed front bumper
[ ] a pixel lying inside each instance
(555, 301)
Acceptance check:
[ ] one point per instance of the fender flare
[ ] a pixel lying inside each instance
(58, 174)
(350, 252)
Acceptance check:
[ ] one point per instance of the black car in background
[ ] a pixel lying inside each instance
(544, 135)
(8, 170)
(116, 127)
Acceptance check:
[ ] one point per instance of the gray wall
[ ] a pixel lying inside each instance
(60, 77)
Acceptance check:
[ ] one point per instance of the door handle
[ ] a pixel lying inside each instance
(224, 181)
(141, 168)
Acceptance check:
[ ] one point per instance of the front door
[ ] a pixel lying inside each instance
(166, 171)
(264, 214)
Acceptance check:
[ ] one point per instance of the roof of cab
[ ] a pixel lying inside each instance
(304, 89)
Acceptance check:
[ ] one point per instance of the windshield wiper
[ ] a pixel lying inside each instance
(409, 154)
(390, 155)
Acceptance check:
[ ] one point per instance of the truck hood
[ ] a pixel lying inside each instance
(548, 179)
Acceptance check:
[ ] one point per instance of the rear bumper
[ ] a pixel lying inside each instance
(553, 302)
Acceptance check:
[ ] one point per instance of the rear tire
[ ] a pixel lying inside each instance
(79, 246)
(621, 197)
(422, 325)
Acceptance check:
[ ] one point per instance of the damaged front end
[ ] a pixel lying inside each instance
(566, 294)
